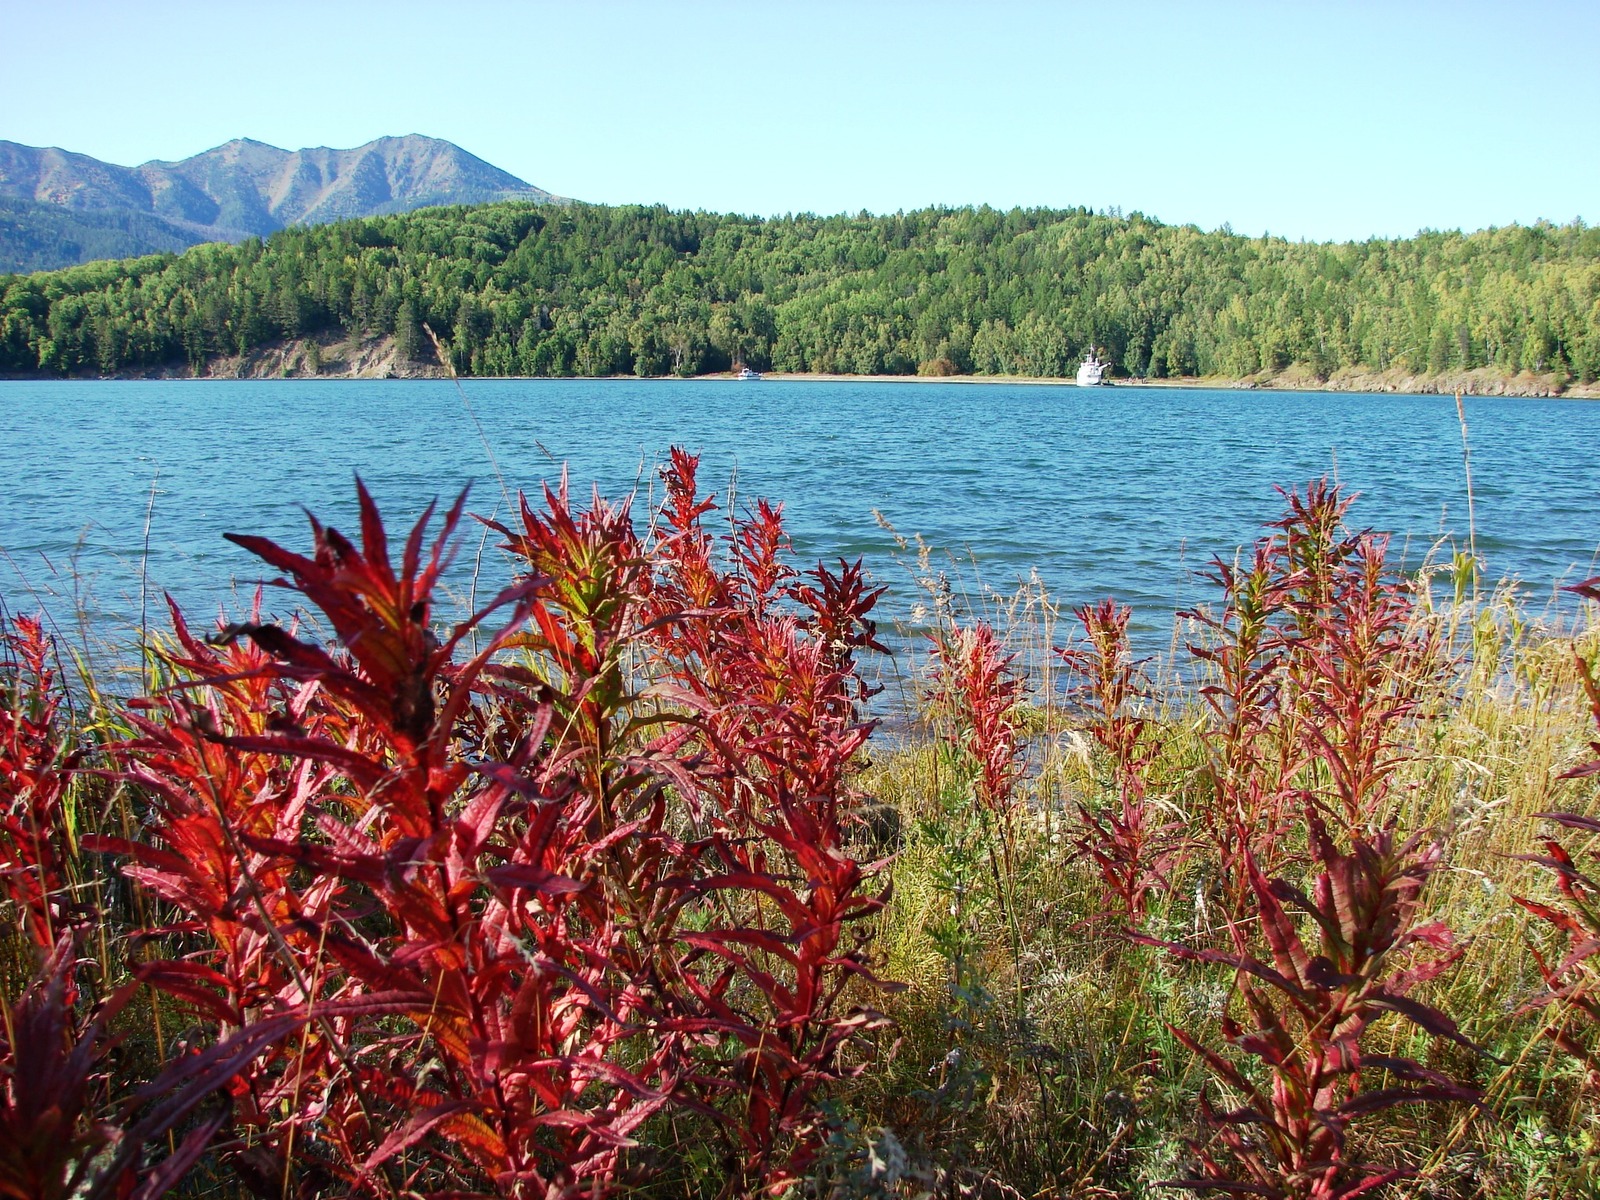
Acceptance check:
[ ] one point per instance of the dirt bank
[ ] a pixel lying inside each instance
(332, 357)
(305, 358)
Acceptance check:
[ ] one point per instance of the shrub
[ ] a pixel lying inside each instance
(1302, 1011)
(1572, 976)
(1132, 850)
(516, 902)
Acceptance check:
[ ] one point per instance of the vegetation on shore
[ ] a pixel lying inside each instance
(334, 355)
(612, 889)
(517, 289)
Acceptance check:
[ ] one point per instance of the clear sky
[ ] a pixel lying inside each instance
(1308, 118)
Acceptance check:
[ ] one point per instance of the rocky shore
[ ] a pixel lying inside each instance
(376, 358)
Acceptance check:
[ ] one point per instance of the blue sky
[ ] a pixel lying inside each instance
(1311, 119)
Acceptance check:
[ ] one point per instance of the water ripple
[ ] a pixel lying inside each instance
(1126, 490)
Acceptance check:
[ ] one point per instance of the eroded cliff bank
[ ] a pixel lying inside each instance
(379, 358)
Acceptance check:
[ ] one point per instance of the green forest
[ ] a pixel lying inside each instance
(524, 289)
(32, 233)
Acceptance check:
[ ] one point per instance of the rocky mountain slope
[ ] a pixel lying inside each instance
(63, 208)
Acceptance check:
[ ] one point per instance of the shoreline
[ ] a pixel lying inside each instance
(1412, 385)
(375, 358)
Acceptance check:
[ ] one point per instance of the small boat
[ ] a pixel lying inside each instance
(1092, 371)
(747, 373)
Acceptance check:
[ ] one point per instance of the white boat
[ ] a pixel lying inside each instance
(1092, 372)
(747, 373)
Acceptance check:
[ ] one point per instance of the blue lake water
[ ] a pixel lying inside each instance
(1124, 491)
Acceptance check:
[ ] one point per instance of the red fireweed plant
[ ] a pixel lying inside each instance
(1313, 546)
(1358, 661)
(410, 898)
(1320, 666)
(1572, 975)
(69, 1127)
(37, 763)
(608, 762)
(218, 802)
(1373, 665)
(59, 1137)
(498, 942)
(974, 683)
(763, 661)
(1132, 849)
(513, 907)
(1250, 761)
(1301, 1010)
(1319, 669)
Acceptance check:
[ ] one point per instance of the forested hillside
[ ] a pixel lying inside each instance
(32, 233)
(521, 289)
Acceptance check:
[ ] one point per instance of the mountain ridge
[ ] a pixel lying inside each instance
(242, 188)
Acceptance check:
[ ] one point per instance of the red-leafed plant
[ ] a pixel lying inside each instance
(497, 943)
(602, 815)
(975, 686)
(68, 1127)
(1303, 1006)
(1572, 976)
(218, 802)
(1313, 547)
(36, 767)
(1319, 668)
(519, 903)
(1130, 846)
(1357, 663)
(60, 1136)
(1252, 758)
(1361, 666)
(763, 662)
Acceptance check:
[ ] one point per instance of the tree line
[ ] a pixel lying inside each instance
(525, 289)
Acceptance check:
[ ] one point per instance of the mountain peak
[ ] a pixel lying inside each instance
(245, 187)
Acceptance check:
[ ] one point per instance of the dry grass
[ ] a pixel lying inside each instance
(1064, 1080)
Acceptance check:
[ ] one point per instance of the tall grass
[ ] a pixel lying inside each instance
(1329, 722)
(610, 887)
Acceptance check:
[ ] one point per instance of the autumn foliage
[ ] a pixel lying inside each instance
(1572, 971)
(574, 897)
(1131, 844)
(1317, 665)
(463, 913)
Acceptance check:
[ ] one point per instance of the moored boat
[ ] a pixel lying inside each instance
(747, 373)
(1092, 371)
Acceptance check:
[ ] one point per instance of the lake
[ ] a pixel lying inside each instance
(1125, 491)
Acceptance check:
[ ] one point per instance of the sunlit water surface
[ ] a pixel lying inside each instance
(1123, 491)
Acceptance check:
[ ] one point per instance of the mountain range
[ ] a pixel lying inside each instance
(58, 208)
